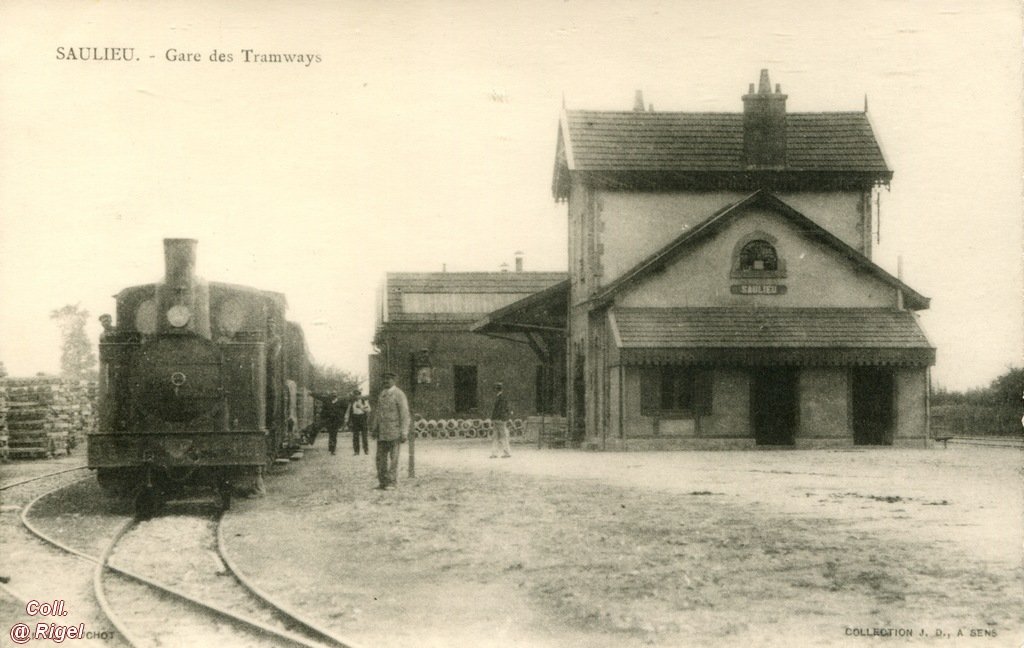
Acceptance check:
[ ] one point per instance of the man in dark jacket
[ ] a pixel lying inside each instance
(499, 420)
(332, 413)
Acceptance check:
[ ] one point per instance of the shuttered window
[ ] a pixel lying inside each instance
(675, 391)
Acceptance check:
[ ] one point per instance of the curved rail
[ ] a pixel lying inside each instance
(36, 531)
(309, 626)
(32, 479)
(101, 565)
(101, 596)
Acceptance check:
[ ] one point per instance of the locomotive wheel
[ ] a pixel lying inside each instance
(148, 502)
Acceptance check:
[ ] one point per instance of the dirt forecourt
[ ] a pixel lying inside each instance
(573, 548)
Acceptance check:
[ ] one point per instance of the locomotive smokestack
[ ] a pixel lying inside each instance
(183, 299)
(179, 261)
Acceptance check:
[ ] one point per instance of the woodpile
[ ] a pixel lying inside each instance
(4, 453)
(45, 416)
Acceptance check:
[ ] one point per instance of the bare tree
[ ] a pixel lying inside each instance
(77, 359)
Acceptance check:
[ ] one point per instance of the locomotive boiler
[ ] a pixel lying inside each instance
(201, 385)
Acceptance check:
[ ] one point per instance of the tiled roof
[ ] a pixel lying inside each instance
(458, 296)
(472, 282)
(742, 328)
(713, 142)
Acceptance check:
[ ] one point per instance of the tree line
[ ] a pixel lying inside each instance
(994, 410)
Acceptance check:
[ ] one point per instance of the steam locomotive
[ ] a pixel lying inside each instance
(201, 385)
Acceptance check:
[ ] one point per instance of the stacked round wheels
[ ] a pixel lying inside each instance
(463, 428)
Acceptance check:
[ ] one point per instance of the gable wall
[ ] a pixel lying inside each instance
(633, 225)
(816, 276)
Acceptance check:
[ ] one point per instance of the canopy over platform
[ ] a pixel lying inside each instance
(790, 336)
(542, 312)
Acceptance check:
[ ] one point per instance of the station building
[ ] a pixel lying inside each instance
(423, 334)
(721, 292)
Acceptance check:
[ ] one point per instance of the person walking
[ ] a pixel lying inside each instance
(500, 415)
(355, 419)
(332, 414)
(390, 430)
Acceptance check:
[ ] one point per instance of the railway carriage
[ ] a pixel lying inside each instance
(201, 384)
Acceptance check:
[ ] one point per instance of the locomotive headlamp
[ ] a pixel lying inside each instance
(178, 316)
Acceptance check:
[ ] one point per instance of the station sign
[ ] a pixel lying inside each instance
(758, 289)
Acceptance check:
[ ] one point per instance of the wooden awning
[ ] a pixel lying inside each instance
(544, 311)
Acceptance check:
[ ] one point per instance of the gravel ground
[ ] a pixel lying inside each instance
(189, 563)
(161, 621)
(38, 571)
(569, 548)
(12, 471)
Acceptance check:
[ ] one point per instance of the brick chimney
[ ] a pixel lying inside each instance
(638, 101)
(764, 126)
(519, 261)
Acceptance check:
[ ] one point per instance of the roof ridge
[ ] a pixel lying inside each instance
(634, 113)
(765, 309)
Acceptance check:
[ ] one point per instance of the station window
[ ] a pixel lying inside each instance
(545, 389)
(758, 255)
(675, 390)
(465, 384)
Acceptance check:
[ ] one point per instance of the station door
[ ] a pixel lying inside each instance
(773, 405)
(872, 406)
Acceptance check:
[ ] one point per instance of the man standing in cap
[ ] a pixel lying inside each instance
(390, 429)
(499, 419)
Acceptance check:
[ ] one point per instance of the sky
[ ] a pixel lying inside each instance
(424, 136)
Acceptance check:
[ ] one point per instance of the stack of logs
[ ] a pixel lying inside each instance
(3, 423)
(46, 416)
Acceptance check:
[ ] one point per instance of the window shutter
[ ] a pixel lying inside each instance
(650, 391)
(704, 384)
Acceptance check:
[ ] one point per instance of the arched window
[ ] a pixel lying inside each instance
(755, 256)
(758, 256)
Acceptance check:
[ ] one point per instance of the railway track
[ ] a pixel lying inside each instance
(978, 442)
(188, 552)
(20, 482)
(31, 569)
